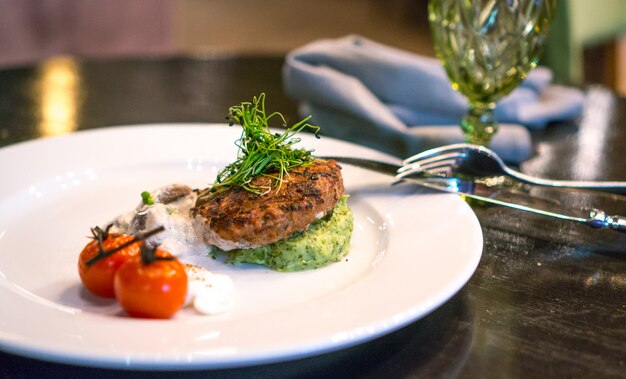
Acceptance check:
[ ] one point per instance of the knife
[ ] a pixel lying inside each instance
(477, 190)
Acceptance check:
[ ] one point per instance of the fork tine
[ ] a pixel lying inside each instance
(446, 159)
(441, 169)
(435, 152)
(431, 167)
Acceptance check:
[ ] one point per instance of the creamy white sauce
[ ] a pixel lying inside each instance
(182, 237)
(214, 239)
(207, 292)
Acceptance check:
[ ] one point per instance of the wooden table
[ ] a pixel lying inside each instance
(548, 298)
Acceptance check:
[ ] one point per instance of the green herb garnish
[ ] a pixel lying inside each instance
(261, 152)
(146, 197)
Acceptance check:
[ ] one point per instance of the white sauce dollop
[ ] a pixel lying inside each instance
(207, 292)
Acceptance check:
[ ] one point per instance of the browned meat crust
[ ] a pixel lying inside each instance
(237, 218)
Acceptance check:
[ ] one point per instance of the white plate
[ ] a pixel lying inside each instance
(411, 251)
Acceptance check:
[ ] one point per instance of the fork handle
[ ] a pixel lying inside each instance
(617, 187)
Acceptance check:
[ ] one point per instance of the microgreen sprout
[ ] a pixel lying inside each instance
(261, 151)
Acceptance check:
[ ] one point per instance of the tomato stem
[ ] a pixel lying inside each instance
(100, 235)
(148, 255)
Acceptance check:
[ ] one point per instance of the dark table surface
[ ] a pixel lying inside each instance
(548, 298)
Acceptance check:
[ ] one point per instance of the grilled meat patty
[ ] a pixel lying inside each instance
(236, 218)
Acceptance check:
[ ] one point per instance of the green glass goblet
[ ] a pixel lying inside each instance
(487, 48)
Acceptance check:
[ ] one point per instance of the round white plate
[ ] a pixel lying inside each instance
(411, 251)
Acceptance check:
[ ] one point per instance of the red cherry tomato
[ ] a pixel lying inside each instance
(98, 277)
(151, 290)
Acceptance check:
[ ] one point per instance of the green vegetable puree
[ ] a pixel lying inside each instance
(326, 241)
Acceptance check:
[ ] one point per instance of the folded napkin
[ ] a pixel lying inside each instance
(402, 103)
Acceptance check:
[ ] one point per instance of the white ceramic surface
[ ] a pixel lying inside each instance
(411, 251)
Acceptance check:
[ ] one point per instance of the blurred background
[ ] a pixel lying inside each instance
(587, 42)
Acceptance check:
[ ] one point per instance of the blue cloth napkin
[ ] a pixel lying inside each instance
(403, 103)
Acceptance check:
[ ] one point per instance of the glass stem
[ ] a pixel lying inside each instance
(479, 124)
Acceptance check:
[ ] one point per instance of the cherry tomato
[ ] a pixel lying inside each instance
(151, 290)
(98, 277)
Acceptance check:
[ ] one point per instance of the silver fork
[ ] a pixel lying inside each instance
(479, 161)
(595, 218)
